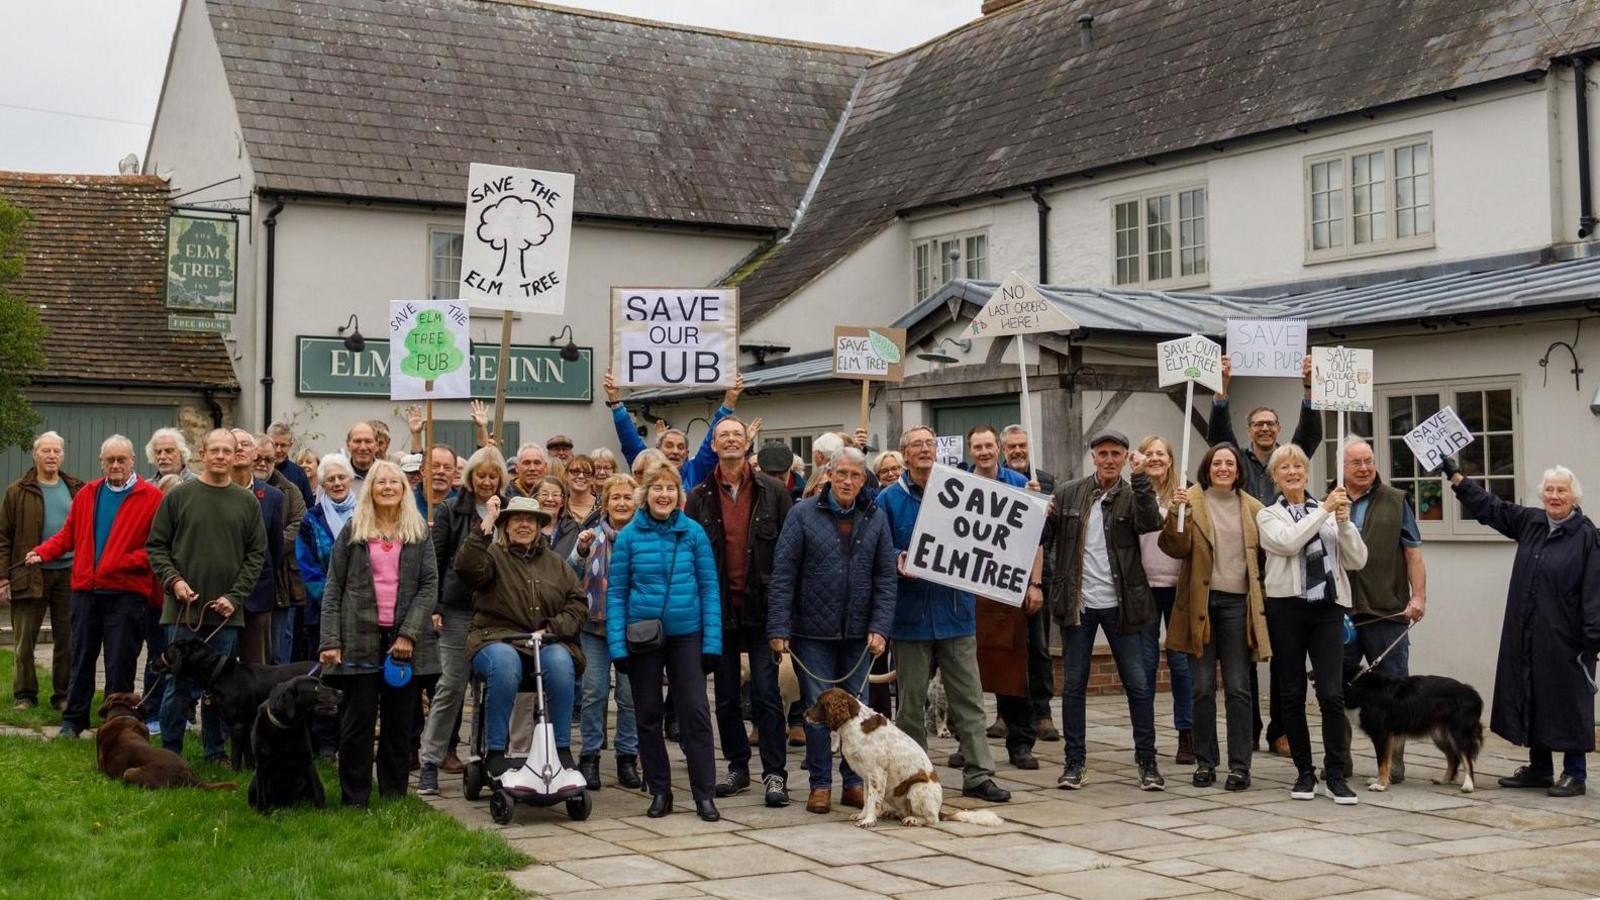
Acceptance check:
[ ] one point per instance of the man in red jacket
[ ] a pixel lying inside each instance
(105, 531)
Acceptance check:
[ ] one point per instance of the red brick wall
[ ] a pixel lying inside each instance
(1103, 677)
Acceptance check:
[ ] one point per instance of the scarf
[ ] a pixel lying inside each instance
(1319, 582)
(597, 574)
(337, 512)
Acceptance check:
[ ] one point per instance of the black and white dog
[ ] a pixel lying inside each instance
(1432, 706)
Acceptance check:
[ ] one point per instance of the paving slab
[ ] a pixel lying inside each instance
(988, 891)
(1041, 857)
(839, 843)
(782, 886)
(1122, 883)
(1437, 878)
(734, 862)
(945, 871)
(870, 878)
(639, 892)
(622, 871)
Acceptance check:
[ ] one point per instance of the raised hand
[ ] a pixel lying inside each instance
(414, 419)
(730, 397)
(491, 512)
(609, 385)
(479, 413)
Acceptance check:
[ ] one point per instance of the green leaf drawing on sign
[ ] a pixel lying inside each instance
(884, 347)
(1191, 372)
(433, 350)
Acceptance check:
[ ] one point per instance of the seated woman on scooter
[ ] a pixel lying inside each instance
(520, 585)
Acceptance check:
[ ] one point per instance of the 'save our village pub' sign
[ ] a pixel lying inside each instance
(324, 368)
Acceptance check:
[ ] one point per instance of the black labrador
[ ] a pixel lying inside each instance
(286, 768)
(237, 689)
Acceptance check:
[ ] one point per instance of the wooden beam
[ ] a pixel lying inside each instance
(1107, 412)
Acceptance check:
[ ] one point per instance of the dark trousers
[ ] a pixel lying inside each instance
(1299, 629)
(1041, 670)
(366, 698)
(765, 703)
(1077, 647)
(155, 641)
(680, 660)
(1230, 615)
(255, 644)
(1541, 760)
(27, 617)
(112, 621)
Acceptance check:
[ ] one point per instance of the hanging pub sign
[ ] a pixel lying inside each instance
(202, 264)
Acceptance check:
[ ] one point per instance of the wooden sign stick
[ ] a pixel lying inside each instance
(500, 376)
(1027, 413)
(866, 404)
(427, 466)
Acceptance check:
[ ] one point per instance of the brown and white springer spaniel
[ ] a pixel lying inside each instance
(898, 776)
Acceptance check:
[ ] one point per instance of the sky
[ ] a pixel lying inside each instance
(80, 79)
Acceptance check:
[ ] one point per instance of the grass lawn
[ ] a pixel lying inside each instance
(71, 832)
(43, 714)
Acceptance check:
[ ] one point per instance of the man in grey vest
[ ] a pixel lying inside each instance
(1391, 591)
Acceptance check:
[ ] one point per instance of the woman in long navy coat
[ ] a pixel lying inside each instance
(1543, 684)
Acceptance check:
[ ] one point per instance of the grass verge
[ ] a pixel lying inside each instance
(41, 715)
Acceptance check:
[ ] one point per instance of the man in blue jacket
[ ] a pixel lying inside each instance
(674, 443)
(933, 623)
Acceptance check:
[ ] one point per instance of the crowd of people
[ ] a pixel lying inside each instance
(651, 572)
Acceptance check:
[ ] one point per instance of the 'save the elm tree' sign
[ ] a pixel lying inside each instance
(675, 337)
(869, 354)
(429, 346)
(1341, 378)
(1266, 348)
(516, 241)
(1194, 358)
(1440, 435)
(976, 534)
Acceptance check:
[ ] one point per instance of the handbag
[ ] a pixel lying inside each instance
(649, 635)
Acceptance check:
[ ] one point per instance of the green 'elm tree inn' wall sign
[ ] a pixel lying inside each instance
(324, 368)
(202, 257)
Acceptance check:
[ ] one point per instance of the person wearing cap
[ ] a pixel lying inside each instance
(1093, 530)
(559, 446)
(377, 603)
(777, 460)
(519, 586)
(672, 442)
(411, 465)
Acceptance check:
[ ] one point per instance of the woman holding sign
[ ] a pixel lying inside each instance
(1219, 613)
(1162, 572)
(1309, 545)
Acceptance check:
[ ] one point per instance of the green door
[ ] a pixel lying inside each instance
(83, 427)
(953, 418)
(461, 435)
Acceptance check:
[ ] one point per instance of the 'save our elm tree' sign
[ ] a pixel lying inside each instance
(517, 238)
(1194, 358)
(1266, 348)
(429, 346)
(675, 337)
(1341, 379)
(1440, 435)
(976, 534)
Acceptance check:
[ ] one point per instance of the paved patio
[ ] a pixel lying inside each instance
(1109, 840)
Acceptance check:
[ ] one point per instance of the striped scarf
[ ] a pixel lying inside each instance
(597, 574)
(1320, 586)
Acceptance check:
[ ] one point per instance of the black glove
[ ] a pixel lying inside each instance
(624, 664)
(1449, 467)
(708, 662)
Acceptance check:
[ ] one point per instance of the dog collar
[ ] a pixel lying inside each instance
(273, 719)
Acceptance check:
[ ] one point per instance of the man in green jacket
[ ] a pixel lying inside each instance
(34, 509)
(207, 546)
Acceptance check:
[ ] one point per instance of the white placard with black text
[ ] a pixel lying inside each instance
(1266, 348)
(675, 337)
(517, 239)
(1194, 358)
(1441, 434)
(1341, 379)
(976, 534)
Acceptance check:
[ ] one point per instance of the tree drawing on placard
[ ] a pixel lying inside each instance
(432, 349)
(884, 347)
(517, 222)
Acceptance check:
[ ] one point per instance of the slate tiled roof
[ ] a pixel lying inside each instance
(1013, 99)
(95, 269)
(393, 99)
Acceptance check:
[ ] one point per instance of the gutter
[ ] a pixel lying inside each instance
(271, 225)
(1580, 95)
(1044, 233)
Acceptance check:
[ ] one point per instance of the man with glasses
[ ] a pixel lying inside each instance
(1257, 482)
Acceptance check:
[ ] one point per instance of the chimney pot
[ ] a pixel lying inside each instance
(1086, 31)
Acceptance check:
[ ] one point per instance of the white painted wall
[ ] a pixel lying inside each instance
(866, 288)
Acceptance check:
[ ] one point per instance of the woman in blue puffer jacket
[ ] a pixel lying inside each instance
(662, 571)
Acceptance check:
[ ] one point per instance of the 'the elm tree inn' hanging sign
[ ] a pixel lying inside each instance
(201, 264)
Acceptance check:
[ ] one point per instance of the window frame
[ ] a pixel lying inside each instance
(1173, 195)
(1346, 192)
(939, 261)
(473, 311)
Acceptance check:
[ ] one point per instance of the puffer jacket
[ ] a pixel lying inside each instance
(21, 527)
(663, 569)
(826, 588)
(313, 553)
(923, 611)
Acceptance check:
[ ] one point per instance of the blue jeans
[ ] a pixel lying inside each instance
(500, 666)
(1177, 662)
(596, 691)
(827, 659)
(1373, 636)
(282, 635)
(1542, 762)
(1077, 648)
(182, 693)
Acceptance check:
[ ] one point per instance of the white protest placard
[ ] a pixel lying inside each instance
(675, 337)
(1440, 435)
(1341, 379)
(1017, 307)
(976, 534)
(1266, 348)
(869, 354)
(1193, 358)
(429, 349)
(517, 239)
(948, 452)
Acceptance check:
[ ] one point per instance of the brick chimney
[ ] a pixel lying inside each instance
(991, 7)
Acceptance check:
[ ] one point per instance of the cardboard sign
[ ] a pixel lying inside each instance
(869, 354)
(976, 534)
(1341, 378)
(1266, 348)
(428, 350)
(1440, 435)
(1194, 358)
(675, 337)
(1017, 307)
(948, 450)
(517, 238)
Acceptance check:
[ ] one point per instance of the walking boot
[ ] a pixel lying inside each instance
(589, 768)
(1185, 754)
(628, 771)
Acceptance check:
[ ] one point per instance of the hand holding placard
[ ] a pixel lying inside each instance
(1438, 438)
(1186, 361)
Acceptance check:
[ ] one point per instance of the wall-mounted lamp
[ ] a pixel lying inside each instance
(937, 354)
(353, 341)
(570, 351)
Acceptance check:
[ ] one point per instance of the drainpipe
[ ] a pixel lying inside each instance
(1044, 233)
(271, 224)
(1586, 219)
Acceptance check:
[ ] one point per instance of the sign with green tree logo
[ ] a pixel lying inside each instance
(202, 270)
(432, 336)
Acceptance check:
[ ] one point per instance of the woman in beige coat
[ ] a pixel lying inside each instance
(1219, 612)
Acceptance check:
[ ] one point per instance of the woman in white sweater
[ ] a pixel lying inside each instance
(1308, 547)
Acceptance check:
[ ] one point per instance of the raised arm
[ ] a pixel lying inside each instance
(1507, 518)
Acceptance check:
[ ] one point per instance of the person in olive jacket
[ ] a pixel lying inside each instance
(383, 584)
(520, 585)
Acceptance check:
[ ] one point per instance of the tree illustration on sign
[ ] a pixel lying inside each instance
(884, 347)
(433, 350)
(203, 262)
(514, 222)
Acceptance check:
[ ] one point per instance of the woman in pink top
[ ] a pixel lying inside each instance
(1162, 571)
(379, 602)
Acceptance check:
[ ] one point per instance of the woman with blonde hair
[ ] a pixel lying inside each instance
(382, 586)
(583, 500)
(561, 530)
(1162, 571)
(888, 467)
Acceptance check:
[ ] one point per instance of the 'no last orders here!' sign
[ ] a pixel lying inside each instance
(976, 534)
